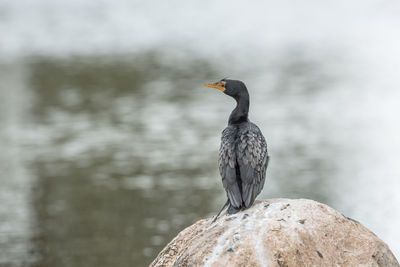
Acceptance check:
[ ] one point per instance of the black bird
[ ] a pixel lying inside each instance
(243, 155)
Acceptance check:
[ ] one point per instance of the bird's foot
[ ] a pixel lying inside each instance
(233, 210)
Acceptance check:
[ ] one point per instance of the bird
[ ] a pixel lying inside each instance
(243, 154)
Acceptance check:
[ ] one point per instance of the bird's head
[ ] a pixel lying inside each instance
(233, 88)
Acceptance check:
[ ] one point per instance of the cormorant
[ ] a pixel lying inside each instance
(243, 155)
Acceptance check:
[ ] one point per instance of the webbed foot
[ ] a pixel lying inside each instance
(233, 210)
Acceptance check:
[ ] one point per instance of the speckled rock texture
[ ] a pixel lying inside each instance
(278, 232)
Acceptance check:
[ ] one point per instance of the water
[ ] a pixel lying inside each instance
(16, 214)
(110, 142)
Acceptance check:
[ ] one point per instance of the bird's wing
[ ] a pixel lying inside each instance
(252, 156)
(227, 166)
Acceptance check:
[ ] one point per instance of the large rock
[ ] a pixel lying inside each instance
(278, 232)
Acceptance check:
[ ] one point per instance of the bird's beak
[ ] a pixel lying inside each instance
(217, 85)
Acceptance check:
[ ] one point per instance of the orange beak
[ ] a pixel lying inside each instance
(218, 85)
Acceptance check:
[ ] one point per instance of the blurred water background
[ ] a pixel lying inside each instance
(109, 140)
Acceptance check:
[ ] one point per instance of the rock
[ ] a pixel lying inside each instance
(278, 232)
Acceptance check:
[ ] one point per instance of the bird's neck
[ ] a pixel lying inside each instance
(240, 113)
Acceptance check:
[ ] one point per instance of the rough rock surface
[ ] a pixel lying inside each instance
(278, 232)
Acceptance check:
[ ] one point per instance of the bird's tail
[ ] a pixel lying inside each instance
(223, 207)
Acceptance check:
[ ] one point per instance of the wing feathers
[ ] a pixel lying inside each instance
(243, 153)
(227, 167)
(252, 159)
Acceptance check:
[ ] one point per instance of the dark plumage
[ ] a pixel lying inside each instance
(243, 156)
